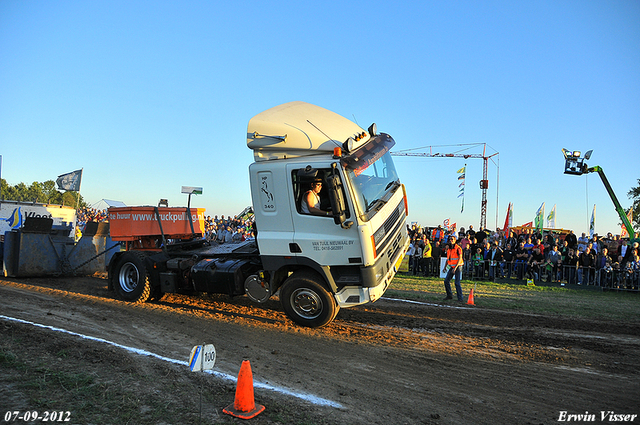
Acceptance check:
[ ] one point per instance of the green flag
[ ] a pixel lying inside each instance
(540, 218)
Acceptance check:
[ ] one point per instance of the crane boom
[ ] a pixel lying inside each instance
(575, 165)
(484, 183)
(614, 199)
(438, 155)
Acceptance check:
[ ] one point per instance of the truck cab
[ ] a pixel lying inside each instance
(348, 255)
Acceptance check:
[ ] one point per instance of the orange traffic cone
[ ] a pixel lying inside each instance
(244, 406)
(470, 300)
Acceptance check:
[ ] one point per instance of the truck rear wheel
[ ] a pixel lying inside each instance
(131, 279)
(307, 302)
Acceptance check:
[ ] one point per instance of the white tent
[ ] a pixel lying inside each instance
(104, 204)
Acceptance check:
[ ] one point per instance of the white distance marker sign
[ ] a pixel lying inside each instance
(203, 357)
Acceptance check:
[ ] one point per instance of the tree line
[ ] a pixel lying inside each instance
(40, 192)
(634, 195)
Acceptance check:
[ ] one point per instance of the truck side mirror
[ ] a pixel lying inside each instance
(338, 205)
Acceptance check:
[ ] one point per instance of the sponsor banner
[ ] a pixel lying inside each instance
(13, 214)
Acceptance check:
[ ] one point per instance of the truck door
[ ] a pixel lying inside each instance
(317, 237)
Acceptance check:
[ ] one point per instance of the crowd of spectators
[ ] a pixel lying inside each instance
(90, 214)
(85, 215)
(227, 230)
(565, 258)
(608, 261)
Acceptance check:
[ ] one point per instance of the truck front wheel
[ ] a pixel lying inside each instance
(131, 279)
(307, 302)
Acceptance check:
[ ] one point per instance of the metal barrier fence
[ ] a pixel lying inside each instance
(606, 278)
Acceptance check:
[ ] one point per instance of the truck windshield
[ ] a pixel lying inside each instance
(372, 174)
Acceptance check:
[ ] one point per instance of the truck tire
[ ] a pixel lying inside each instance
(131, 279)
(306, 301)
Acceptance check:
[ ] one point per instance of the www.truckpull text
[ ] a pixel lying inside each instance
(34, 415)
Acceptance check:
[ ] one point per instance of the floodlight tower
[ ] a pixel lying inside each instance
(575, 164)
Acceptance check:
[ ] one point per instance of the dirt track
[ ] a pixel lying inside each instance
(384, 363)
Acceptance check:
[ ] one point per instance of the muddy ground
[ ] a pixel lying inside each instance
(389, 362)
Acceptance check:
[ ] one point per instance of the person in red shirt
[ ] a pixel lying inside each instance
(454, 265)
(539, 245)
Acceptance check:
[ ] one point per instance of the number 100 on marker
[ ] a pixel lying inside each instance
(202, 357)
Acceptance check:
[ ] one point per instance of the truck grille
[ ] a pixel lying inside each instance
(391, 221)
(393, 227)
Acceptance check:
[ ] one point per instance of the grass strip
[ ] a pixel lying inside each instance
(578, 302)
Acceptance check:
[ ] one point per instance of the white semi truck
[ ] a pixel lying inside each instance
(319, 263)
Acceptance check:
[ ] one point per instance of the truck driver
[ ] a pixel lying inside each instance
(311, 200)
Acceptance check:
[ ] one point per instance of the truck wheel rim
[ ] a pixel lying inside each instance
(306, 303)
(128, 277)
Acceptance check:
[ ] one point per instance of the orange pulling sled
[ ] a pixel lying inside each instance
(145, 226)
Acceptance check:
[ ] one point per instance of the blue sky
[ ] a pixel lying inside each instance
(149, 96)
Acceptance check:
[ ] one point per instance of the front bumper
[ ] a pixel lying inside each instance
(351, 296)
